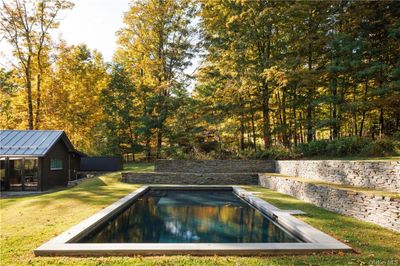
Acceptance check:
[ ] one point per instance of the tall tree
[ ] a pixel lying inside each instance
(156, 45)
(25, 25)
(118, 102)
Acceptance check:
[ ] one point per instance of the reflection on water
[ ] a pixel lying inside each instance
(183, 216)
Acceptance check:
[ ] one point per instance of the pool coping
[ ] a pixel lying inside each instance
(315, 240)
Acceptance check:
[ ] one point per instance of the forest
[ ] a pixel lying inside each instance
(276, 79)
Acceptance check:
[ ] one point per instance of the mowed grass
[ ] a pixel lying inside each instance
(28, 222)
(139, 167)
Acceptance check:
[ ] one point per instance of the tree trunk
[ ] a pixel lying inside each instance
(159, 144)
(148, 148)
(301, 128)
(248, 132)
(266, 120)
(295, 116)
(381, 123)
(309, 123)
(38, 101)
(355, 129)
(398, 122)
(29, 93)
(335, 126)
(242, 131)
(381, 117)
(286, 141)
(309, 101)
(253, 128)
(131, 138)
(364, 111)
(362, 124)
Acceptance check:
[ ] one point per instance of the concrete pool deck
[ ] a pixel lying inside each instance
(314, 240)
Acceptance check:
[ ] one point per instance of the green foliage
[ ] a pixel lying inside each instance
(381, 147)
(273, 74)
(285, 73)
(155, 47)
(313, 148)
(274, 153)
(351, 146)
(340, 148)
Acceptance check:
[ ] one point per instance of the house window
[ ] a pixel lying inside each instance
(56, 164)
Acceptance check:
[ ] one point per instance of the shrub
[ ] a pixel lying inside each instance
(349, 146)
(343, 147)
(313, 148)
(381, 147)
(273, 153)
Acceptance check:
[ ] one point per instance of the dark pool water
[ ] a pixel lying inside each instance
(187, 216)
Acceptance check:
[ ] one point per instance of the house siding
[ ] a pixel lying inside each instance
(55, 178)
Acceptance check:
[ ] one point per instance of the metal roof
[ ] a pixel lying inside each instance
(29, 142)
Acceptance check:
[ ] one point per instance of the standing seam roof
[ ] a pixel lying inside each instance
(28, 142)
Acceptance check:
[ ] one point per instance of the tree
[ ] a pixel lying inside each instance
(25, 25)
(155, 47)
(118, 103)
(334, 65)
(72, 99)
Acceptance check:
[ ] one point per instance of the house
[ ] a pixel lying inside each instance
(37, 159)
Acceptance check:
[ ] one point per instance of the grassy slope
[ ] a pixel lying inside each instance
(369, 191)
(139, 167)
(27, 222)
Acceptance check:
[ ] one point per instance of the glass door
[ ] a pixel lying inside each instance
(3, 173)
(15, 177)
(31, 174)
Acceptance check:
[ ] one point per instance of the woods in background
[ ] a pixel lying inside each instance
(278, 78)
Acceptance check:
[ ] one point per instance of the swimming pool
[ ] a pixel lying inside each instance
(189, 216)
(191, 220)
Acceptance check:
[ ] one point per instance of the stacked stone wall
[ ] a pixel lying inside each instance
(380, 210)
(191, 178)
(215, 166)
(380, 175)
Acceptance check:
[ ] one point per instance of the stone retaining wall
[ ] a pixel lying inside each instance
(383, 175)
(383, 211)
(191, 178)
(215, 166)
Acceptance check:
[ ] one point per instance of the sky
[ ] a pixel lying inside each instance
(93, 22)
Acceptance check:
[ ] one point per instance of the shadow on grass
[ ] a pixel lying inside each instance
(94, 192)
(342, 227)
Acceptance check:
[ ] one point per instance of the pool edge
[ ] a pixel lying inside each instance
(315, 240)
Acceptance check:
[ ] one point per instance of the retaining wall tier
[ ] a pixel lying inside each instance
(380, 210)
(381, 175)
(191, 178)
(215, 166)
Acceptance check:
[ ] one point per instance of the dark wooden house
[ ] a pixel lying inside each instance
(37, 159)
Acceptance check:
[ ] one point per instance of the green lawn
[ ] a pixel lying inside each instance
(139, 167)
(28, 222)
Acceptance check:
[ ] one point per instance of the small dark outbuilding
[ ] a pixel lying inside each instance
(37, 159)
(101, 164)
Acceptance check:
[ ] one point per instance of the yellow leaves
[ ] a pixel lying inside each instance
(231, 20)
(274, 74)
